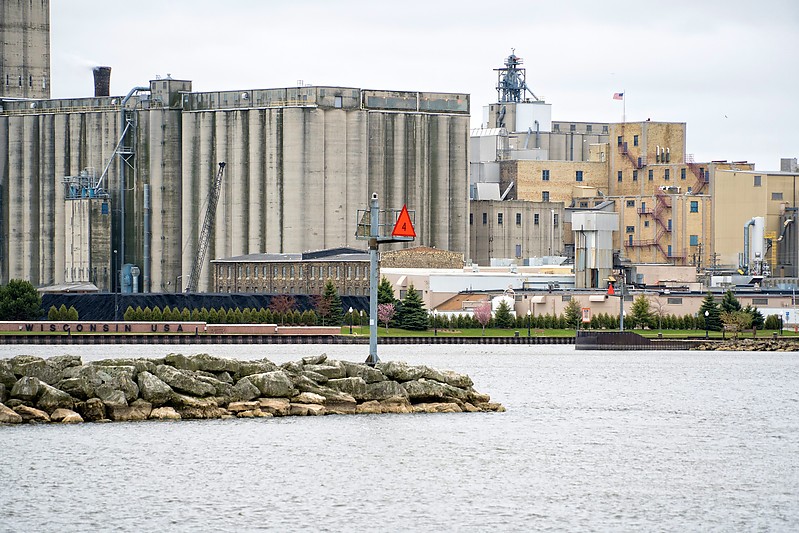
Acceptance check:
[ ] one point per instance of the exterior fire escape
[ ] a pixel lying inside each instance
(701, 175)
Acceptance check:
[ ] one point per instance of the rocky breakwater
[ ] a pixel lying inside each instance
(751, 345)
(63, 389)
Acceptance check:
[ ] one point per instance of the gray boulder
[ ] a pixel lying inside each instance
(221, 389)
(430, 391)
(110, 396)
(183, 381)
(449, 377)
(245, 391)
(355, 386)
(274, 384)
(36, 367)
(315, 377)
(249, 368)
(210, 363)
(314, 359)
(331, 369)
(400, 371)
(7, 376)
(384, 390)
(51, 399)
(139, 364)
(365, 372)
(26, 389)
(3, 393)
(62, 362)
(153, 390)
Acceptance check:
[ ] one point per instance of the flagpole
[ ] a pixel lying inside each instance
(624, 105)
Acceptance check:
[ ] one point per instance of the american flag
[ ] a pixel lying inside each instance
(618, 96)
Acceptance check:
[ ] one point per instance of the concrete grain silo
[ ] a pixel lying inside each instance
(300, 163)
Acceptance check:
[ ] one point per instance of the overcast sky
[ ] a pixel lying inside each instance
(727, 68)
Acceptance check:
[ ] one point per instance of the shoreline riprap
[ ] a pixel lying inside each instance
(63, 389)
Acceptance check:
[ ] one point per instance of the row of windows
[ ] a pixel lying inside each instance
(349, 291)
(578, 175)
(589, 128)
(501, 219)
(284, 271)
(10, 80)
(694, 205)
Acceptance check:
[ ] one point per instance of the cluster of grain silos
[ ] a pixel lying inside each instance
(300, 163)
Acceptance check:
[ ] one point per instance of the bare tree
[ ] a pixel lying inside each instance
(282, 305)
(482, 313)
(322, 306)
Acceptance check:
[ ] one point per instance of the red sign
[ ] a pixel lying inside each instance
(611, 292)
(404, 226)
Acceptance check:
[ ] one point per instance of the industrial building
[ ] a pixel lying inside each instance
(25, 49)
(113, 189)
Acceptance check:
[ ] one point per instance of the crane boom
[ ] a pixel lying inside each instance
(205, 233)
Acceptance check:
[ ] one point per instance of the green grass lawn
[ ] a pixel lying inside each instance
(496, 332)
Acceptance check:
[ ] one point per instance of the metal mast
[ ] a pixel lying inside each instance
(205, 233)
(511, 80)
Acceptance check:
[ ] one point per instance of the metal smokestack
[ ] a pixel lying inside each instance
(102, 81)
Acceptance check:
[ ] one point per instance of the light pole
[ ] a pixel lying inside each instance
(529, 321)
(435, 322)
(707, 334)
(350, 320)
(360, 321)
(116, 289)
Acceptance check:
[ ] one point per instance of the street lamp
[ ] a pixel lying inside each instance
(350, 320)
(707, 314)
(360, 321)
(529, 319)
(435, 322)
(116, 289)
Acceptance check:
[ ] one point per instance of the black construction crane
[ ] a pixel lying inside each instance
(205, 234)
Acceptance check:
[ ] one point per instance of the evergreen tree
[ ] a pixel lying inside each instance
(502, 317)
(729, 302)
(573, 314)
(221, 316)
(72, 313)
(52, 313)
(213, 316)
(772, 322)
(185, 315)
(712, 321)
(157, 315)
(413, 315)
(758, 321)
(138, 316)
(147, 314)
(385, 293)
(130, 314)
(202, 316)
(335, 311)
(640, 314)
(19, 300)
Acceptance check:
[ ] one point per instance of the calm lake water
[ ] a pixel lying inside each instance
(591, 441)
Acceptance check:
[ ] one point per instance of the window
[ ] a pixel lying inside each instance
(776, 196)
(757, 181)
(630, 229)
(291, 272)
(666, 175)
(485, 218)
(544, 196)
(283, 271)
(620, 174)
(471, 218)
(618, 140)
(579, 175)
(694, 207)
(535, 219)
(630, 240)
(555, 127)
(565, 298)
(555, 219)
(759, 301)
(583, 204)
(248, 271)
(635, 175)
(651, 174)
(518, 250)
(545, 175)
(499, 218)
(604, 129)
(682, 173)
(518, 219)
(572, 127)
(674, 301)
(668, 250)
(630, 203)
(668, 224)
(635, 140)
(646, 223)
(588, 128)
(337, 102)
(693, 240)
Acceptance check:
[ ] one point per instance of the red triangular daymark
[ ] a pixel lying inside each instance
(611, 292)
(404, 226)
